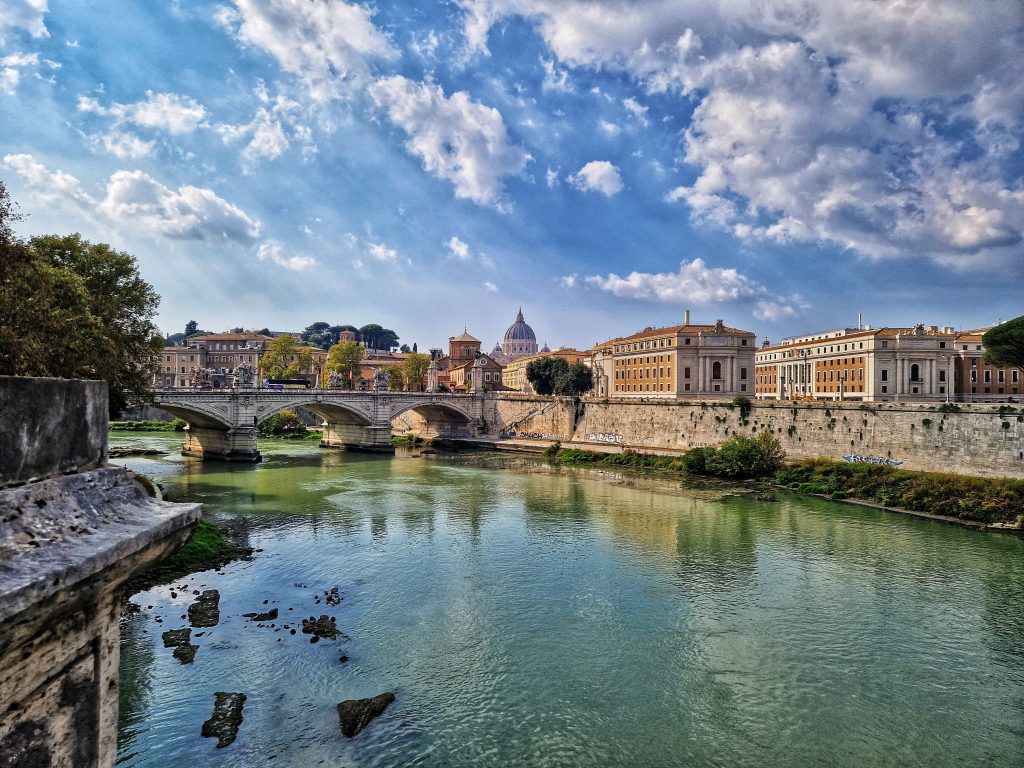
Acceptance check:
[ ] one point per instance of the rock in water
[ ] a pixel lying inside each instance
(256, 616)
(175, 637)
(333, 597)
(324, 627)
(186, 654)
(205, 611)
(356, 714)
(226, 717)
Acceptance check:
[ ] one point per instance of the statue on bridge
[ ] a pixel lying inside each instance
(245, 375)
(335, 380)
(201, 377)
(381, 380)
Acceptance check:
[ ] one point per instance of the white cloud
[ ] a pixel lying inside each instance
(555, 78)
(381, 252)
(121, 144)
(136, 200)
(636, 109)
(551, 177)
(458, 139)
(490, 287)
(458, 249)
(569, 281)
(609, 129)
(326, 45)
(274, 251)
(697, 283)
(597, 176)
(27, 15)
(11, 67)
(169, 112)
(886, 127)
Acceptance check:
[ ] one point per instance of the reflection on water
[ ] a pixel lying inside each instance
(526, 618)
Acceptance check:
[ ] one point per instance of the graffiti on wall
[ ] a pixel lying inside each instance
(511, 433)
(858, 458)
(604, 437)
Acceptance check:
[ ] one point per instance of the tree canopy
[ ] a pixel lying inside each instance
(414, 369)
(74, 309)
(344, 358)
(1004, 344)
(321, 334)
(555, 376)
(285, 358)
(374, 336)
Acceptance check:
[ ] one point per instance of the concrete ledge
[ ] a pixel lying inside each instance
(52, 427)
(56, 533)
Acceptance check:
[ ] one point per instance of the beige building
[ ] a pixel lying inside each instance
(221, 353)
(689, 360)
(876, 364)
(514, 375)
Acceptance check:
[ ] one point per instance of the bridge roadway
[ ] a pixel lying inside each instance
(222, 422)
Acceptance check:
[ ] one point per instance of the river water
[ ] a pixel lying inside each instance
(567, 618)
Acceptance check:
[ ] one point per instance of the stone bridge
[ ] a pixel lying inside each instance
(222, 423)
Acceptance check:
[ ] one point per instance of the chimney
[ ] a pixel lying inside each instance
(686, 317)
(860, 321)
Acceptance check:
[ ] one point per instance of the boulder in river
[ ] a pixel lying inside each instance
(226, 717)
(356, 714)
(205, 611)
(185, 653)
(267, 616)
(175, 637)
(324, 627)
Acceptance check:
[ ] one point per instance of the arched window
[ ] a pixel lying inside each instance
(716, 370)
(915, 371)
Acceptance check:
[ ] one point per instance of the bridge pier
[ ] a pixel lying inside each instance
(358, 437)
(211, 443)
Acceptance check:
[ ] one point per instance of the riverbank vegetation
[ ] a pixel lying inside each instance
(978, 499)
(207, 548)
(147, 425)
(286, 425)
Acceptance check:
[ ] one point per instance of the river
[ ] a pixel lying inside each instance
(564, 618)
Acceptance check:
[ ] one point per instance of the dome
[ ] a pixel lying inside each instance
(520, 331)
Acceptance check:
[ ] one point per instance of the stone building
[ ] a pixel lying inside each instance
(688, 360)
(883, 364)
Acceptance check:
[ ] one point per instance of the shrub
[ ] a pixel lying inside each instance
(552, 450)
(282, 423)
(746, 457)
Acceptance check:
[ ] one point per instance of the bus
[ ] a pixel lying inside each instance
(286, 384)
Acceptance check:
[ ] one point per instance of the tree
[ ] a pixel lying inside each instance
(396, 380)
(190, 328)
(175, 340)
(575, 380)
(414, 369)
(72, 309)
(321, 334)
(285, 358)
(1004, 344)
(345, 358)
(404, 349)
(263, 332)
(375, 337)
(545, 372)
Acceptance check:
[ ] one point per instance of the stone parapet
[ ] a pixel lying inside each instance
(68, 542)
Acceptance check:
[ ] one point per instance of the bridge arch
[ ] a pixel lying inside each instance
(198, 415)
(432, 419)
(331, 412)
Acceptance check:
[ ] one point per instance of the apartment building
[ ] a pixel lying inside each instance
(514, 374)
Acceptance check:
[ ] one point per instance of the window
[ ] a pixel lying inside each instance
(885, 344)
(988, 377)
(884, 389)
(942, 375)
(915, 372)
(686, 375)
(743, 373)
(1015, 376)
(743, 342)
(688, 341)
(716, 371)
(1002, 376)
(942, 345)
(885, 376)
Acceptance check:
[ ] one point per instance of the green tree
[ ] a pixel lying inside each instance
(746, 457)
(345, 358)
(414, 369)
(1004, 344)
(285, 422)
(396, 380)
(285, 358)
(574, 380)
(190, 328)
(321, 334)
(104, 310)
(174, 340)
(374, 336)
(545, 373)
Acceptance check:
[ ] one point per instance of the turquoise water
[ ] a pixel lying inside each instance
(538, 619)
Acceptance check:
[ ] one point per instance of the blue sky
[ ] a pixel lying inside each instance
(605, 164)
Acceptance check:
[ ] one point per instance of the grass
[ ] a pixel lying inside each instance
(205, 549)
(977, 499)
(147, 425)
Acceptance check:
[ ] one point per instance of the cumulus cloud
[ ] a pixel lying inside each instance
(458, 139)
(326, 45)
(597, 176)
(381, 252)
(697, 283)
(490, 287)
(169, 112)
(886, 127)
(134, 199)
(11, 67)
(273, 251)
(122, 145)
(27, 15)
(458, 249)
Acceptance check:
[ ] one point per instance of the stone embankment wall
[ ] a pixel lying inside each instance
(72, 531)
(978, 440)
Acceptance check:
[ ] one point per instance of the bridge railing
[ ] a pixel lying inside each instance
(317, 390)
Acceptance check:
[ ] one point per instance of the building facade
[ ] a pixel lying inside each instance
(883, 364)
(689, 360)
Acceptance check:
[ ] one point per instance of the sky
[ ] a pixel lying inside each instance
(604, 164)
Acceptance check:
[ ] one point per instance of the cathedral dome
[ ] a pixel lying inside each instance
(520, 331)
